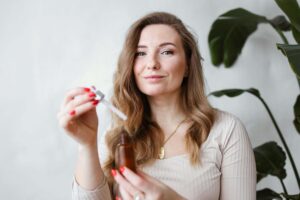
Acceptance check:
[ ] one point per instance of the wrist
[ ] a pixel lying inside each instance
(88, 147)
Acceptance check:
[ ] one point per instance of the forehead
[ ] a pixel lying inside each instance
(158, 33)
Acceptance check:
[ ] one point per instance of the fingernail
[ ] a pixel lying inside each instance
(118, 198)
(91, 94)
(95, 102)
(122, 169)
(87, 89)
(73, 112)
(113, 172)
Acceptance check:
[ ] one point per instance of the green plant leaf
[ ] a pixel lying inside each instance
(267, 194)
(292, 52)
(297, 114)
(296, 35)
(270, 160)
(292, 197)
(229, 33)
(235, 92)
(292, 10)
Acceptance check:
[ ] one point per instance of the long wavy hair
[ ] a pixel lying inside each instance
(145, 132)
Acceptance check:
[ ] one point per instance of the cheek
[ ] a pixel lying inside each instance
(137, 69)
(178, 68)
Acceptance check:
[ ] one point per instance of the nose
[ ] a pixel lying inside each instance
(152, 63)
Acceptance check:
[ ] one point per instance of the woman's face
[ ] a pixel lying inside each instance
(160, 63)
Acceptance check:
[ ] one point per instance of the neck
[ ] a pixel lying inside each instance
(166, 110)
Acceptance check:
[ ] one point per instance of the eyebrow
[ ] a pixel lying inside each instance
(161, 45)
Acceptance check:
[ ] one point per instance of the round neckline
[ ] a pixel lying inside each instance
(173, 157)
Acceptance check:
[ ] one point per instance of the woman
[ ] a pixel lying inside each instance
(185, 149)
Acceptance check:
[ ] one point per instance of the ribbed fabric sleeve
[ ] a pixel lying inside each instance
(102, 192)
(238, 179)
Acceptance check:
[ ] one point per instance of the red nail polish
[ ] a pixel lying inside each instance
(95, 102)
(118, 198)
(113, 172)
(87, 89)
(73, 112)
(122, 169)
(91, 94)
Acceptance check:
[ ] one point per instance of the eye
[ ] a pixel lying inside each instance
(168, 52)
(140, 53)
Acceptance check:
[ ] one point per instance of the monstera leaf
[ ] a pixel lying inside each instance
(270, 160)
(296, 35)
(235, 92)
(292, 10)
(229, 33)
(297, 114)
(292, 197)
(292, 52)
(267, 194)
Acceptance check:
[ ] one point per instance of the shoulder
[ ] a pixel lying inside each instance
(226, 120)
(227, 127)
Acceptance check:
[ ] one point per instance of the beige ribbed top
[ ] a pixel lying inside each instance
(227, 170)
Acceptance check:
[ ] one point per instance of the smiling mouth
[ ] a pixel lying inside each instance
(154, 77)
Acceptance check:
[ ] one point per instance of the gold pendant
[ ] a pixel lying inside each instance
(162, 153)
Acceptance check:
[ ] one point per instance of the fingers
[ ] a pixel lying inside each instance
(124, 194)
(71, 94)
(80, 100)
(127, 188)
(74, 98)
(66, 117)
(137, 181)
(76, 102)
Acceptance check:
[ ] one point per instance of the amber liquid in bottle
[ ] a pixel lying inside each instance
(125, 153)
(124, 156)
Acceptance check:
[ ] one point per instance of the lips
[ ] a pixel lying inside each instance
(153, 77)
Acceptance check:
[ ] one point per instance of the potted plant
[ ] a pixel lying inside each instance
(227, 37)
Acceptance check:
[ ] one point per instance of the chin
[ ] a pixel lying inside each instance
(152, 93)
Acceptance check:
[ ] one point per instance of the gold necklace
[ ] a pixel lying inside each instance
(162, 149)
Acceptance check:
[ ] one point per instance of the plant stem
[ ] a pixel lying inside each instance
(284, 39)
(279, 32)
(283, 186)
(282, 140)
(281, 35)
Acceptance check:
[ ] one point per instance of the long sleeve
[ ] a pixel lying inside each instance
(102, 192)
(238, 180)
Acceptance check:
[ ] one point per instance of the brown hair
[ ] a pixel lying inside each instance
(146, 133)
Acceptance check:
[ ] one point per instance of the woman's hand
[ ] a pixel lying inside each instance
(142, 186)
(78, 115)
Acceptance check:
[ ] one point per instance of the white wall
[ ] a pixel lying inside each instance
(47, 47)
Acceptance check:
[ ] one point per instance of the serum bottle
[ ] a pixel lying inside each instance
(125, 152)
(124, 157)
